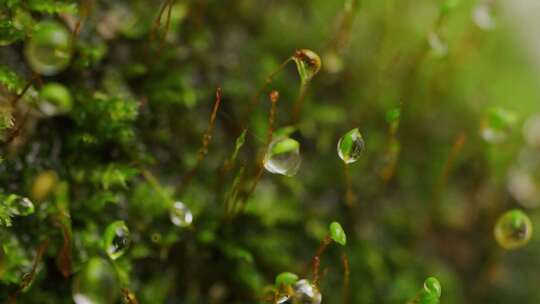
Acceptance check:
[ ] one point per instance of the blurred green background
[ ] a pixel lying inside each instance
(428, 188)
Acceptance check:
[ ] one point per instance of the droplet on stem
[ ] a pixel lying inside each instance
(307, 293)
(308, 64)
(19, 205)
(513, 229)
(283, 156)
(116, 240)
(55, 99)
(350, 146)
(180, 215)
(48, 51)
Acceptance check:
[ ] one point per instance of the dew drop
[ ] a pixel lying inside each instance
(308, 64)
(483, 16)
(116, 240)
(48, 51)
(55, 99)
(283, 156)
(19, 205)
(498, 124)
(307, 293)
(350, 146)
(180, 215)
(96, 283)
(513, 229)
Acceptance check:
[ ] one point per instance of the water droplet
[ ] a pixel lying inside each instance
(96, 283)
(307, 293)
(432, 286)
(116, 240)
(19, 205)
(55, 99)
(497, 125)
(180, 215)
(48, 51)
(531, 131)
(438, 45)
(283, 156)
(308, 64)
(513, 229)
(350, 146)
(483, 16)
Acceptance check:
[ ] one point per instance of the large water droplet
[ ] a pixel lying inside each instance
(513, 229)
(116, 240)
(180, 215)
(96, 283)
(55, 99)
(283, 156)
(350, 146)
(19, 205)
(483, 16)
(49, 49)
(497, 125)
(308, 64)
(307, 293)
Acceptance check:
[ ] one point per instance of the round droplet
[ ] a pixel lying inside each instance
(350, 146)
(55, 99)
(308, 64)
(19, 205)
(497, 125)
(307, 293)
(432, 286)
(483, 16)
(283, 156)
(49, 49)
(513, 229)
(180, 215)
(116, 240)
(96, 283)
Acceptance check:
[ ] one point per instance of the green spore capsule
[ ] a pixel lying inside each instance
(55, 99)
(306, 292)
(513, 229)
(308, 64)
(116, 240)
(283, 156)
(19, 205)
(432, 286)
(96, 283)
(180, 215)
(286, 278)
(350, 146)
(48, 51)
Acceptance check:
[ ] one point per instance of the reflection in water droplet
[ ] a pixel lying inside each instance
(283, 156)
(307, 293)
(49, 49)
(117, 239)
(350, 146)
(19, 205)
(483, 17)
(513, 229)
(180, 215)
(96, 283)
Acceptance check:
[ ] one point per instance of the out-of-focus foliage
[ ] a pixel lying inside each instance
(112, 189)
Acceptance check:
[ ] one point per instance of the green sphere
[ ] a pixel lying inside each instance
(55, 99)
(48, 51)
(513, 229)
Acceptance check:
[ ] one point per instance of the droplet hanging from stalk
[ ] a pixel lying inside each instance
(19, 205)
(48, 51)
(308, 64)
(180, 215)
(283, 156)
(307, 293)
(96, 283)
(350, 146)
(513, 229)
(55, 99)
(116, 240)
